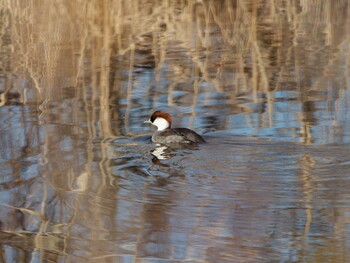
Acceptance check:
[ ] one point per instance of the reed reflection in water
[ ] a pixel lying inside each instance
(267, 83)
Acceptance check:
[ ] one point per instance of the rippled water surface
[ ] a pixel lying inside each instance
(265, 83)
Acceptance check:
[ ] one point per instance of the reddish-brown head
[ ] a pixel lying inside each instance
(161, 114)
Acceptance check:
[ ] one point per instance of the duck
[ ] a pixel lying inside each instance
(167, 135)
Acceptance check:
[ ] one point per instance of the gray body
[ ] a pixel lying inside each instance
(177, 135)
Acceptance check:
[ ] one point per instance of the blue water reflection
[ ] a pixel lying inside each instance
(266, 84)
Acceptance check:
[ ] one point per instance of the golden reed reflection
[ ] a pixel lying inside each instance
(102, 29)
(263, 47)
(51, 50)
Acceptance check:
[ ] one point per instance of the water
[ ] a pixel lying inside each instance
(266, 84)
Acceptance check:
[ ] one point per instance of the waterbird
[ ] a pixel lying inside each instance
(167, 135)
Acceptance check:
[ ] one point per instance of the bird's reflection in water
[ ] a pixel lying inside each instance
(165, 152)
(161, 152)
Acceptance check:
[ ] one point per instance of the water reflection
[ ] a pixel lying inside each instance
(266, 83)
(160, 153)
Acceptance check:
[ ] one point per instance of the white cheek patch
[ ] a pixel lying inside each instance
(161, 123)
